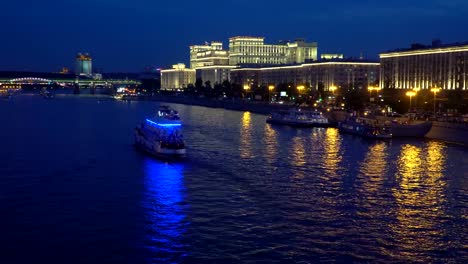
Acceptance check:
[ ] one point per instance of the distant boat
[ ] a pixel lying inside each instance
(364, 127)
(47, 94)
(298, 118)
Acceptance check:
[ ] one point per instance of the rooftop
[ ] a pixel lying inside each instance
(436, 44)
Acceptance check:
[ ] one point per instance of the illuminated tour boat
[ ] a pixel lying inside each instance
(161, 136)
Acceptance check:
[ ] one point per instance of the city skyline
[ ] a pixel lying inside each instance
(129, 35)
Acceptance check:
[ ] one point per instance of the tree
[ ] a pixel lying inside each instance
(355, 99)
(198, 86)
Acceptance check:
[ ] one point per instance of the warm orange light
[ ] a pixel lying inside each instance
(435, 90)
(333, 88)
(246, 87)
(410, 93)
(271, 87)
(300, 87)
(374, 88)
(417, 89)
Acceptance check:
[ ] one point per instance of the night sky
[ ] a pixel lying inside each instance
(127, 35)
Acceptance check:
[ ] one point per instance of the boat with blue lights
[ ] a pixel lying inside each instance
(161, 135)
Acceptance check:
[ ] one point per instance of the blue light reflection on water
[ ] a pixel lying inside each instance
(164, 210)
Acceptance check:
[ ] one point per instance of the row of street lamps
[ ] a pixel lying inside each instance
(333, 88)
(416, 90)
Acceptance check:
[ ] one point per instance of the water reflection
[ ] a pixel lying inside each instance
(332, 148)
(246, 144)
(374, 168)
(298, 157)
(164, 212)
(271, 143)
(420, 199)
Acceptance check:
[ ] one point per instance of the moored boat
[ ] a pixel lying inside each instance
(161, 136)
(410, 129)
(364, 127)
(298, 118)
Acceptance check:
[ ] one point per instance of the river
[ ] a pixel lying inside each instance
(73, 189)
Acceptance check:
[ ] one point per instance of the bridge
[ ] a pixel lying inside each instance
(51, 80)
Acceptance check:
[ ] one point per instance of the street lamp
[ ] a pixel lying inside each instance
(410, 94)
(435, 91)
(270, 88)
(333, 89)
(246, 88)
(373, 88)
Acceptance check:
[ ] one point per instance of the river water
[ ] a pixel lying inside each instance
(74, 190)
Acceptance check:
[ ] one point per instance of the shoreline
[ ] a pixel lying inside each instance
(452, 133)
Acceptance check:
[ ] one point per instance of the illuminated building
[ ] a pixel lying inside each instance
(208, 55)
(426, 67)
(331, 56)
(65, 70)
(253, 50)
(84, 65)
(214, 74)
(176, 78)
(323, 74)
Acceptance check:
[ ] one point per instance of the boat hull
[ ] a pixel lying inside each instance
(411, 130)
(362, 131)
(296, 123)
(155, 148)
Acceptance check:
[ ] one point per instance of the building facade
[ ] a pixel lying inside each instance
(342, 74)
(84, 65)
(208, 55)
(253, 50)
(214, 74)
(426, 67)
(179, 77)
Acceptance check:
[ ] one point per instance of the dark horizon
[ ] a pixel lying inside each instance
(127, 36)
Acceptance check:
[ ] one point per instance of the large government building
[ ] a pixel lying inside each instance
(344, 74)
(426, 67)
(208, 55)
(250, 61)
(253, 50)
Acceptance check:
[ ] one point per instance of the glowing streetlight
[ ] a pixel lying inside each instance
(270, 88)
(246, 89)
(333, 88)
(300, 87)
(373, 88)
(435, 91)
(410, 94)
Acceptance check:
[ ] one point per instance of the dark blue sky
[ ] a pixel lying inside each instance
(127, 35)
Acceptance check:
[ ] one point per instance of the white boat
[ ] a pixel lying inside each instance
(298, 118)
(161, 136)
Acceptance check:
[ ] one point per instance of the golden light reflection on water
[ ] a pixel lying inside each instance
(374, 168)
(332, 150)
(271, 143)
(419, 197)
(298, 152)
(245, 146)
